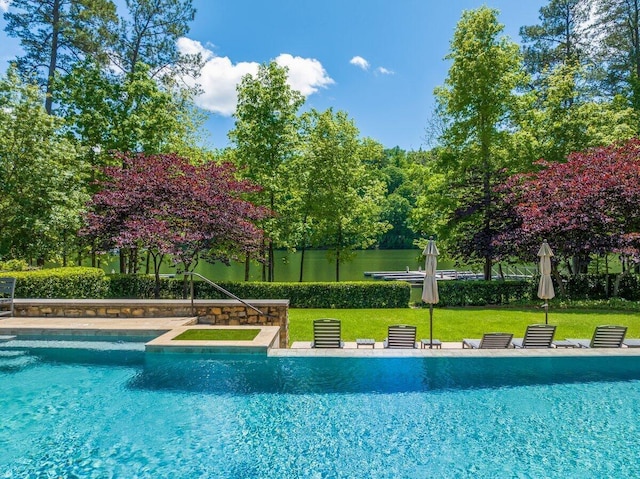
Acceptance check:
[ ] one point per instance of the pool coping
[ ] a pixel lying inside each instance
(449, 350)
(265, 340)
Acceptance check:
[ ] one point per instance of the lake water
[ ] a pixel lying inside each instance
(316, 266)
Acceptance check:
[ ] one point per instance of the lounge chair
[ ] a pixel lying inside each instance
(400, 336)
(607, 336)
(489, 341)
(7, 288)
(327, 333)
(536, 336)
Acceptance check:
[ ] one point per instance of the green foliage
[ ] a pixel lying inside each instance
(42, 182)
(109, 112)
(479, 106)
(602, 287)
(361, 294)
(196, 334)
(482, 293)
(72, 283)
(340, 195)
(14, 265)
(135, 286)
(266, 137)
(55, 34)
(559, 38)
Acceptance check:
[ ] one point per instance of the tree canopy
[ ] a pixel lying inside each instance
(164, 205)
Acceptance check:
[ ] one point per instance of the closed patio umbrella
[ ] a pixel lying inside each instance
(545, 288)
(430, 286)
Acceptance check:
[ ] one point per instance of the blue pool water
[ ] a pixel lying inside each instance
(116, 412)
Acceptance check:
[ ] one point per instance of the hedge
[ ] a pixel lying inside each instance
(481, 293)
(82, 282)
(68, 283)
(361, 294)
(601, 286)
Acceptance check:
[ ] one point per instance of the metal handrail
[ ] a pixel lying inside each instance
(222, 290)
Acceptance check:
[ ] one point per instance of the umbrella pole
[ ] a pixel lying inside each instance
(546, 312)
(430, 326)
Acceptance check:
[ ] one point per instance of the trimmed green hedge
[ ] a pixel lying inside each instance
(601, 286)
(481, 293)
(81, 282)
(361, 294)
(68, 283)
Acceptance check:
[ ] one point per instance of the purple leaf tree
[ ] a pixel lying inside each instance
(164, 205)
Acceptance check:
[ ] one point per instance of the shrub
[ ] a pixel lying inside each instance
(14, 265)
(361, 294)
(136, 286)
(602, 286)
(481, 293)
(356, 294)
(74, 282)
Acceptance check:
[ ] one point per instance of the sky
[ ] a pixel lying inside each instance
(377, 60)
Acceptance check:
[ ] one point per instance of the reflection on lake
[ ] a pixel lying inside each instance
(317, 267)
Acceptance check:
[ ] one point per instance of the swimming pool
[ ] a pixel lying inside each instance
(118, 412)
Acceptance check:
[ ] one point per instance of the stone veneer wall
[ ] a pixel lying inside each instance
(220, 312)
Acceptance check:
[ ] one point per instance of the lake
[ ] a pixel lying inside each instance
(318, 268)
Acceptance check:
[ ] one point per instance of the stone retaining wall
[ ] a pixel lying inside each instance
(220, 312)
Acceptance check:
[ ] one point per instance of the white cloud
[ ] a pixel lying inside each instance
(219, 76)
(360, 62)
(305, 74)
(384, 71)
(4, 5)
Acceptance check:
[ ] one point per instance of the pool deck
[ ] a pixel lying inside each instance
(449, 349)
(265, 342)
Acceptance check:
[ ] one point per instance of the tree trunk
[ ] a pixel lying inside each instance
(123, 261)
(302, 263)
(53, 58)
(558, 278)
(271, 262)
(487, 267)
(247, 266)
(264, 265)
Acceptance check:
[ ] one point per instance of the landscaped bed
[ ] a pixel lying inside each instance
(240, 334)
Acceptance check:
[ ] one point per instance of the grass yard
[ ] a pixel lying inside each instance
(454, 324)
(218, 335)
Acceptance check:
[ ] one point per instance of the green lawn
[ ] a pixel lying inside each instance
(453, 324)
(218, 335)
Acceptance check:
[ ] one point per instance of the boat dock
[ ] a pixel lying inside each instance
(417, 277)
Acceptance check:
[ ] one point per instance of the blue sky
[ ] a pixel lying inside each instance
(378, 60)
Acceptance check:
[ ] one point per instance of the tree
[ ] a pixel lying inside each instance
(342, 197)
(586, 206)
(166, 206)
(42, 185)
(567, 119)
(618, 48)
(148, 36)
(477, 104)
(133, 114)
(559, 39)
(56, 33)
(265, 137)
